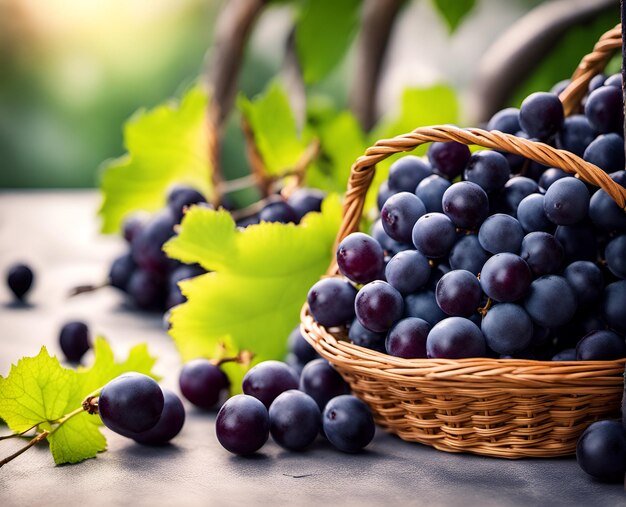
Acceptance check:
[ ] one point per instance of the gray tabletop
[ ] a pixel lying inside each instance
(57, 232)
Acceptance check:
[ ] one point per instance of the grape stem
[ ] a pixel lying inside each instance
(33, 441)
(484, 309)
(20, 434)
(243, 357)
(89, 404)
(84, 289)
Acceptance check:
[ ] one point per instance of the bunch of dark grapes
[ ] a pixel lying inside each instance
(150, 278)
(487, 254)
(291, 405)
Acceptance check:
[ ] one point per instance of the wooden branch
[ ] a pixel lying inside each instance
(233, 27)
(294, 82)
(515, 54)
(376, 24)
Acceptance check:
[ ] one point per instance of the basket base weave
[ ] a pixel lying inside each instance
(504, 408)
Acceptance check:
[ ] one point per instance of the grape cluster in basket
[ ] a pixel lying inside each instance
(489, 254)
(150, 278)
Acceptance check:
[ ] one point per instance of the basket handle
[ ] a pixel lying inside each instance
(362, 172)
(589, 66)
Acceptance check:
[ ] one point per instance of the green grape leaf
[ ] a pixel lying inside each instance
(324, 30)
(274, 128)
(166, 145)
(342, 140)
(38, 391)
(258, 282)
(420, 107)
(453, 11)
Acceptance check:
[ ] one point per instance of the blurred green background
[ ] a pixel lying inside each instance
(71, 71)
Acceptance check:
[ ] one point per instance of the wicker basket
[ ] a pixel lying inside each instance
(509, 408)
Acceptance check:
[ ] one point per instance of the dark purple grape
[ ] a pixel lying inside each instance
(434, 235)
(170, 423)
(505, 277)
(383, 194)
(20, 279)
(266, 380)
(506, 120)
(363, 337)
(360, 257)
(407, 271)
(531, 215)
(605, 213)
(541, 115)
(551, 175)
(614, 80)
(515, 190)
(578, 242)
(295, 420)
(550, 302)
(615, 256)
(399, 215)
(242, 425)
(466, 204)
(121, 271)
(542, 252)
(575, 135)
(331, 302)
(301, 348)
(601, 345)
(458, 293)
(601, 451)
(565, 355)
(430, 191)
(132, 402)
(147, 245)
(596, 82)
(306, 200)
(455, 338)
(501, 233)
(488, 169)
(181, 197)
(390, 246)
(604, 108)
(468, 254)
(203, 383)
(278, 211)
(242, 223)
(348, 423)
(566, 201)
(147, 290)
(408, 338)
(613, 304)
(133, 225)
(586, 279)
(378, 306)
(423, 305)
(607, 152)
(448, 158)
(74, 340)
(507, 328)
(406, 173)
(322, 382)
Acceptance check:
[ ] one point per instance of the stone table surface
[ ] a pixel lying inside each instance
(57, 233)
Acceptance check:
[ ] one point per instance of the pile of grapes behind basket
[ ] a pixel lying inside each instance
(485, 313)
